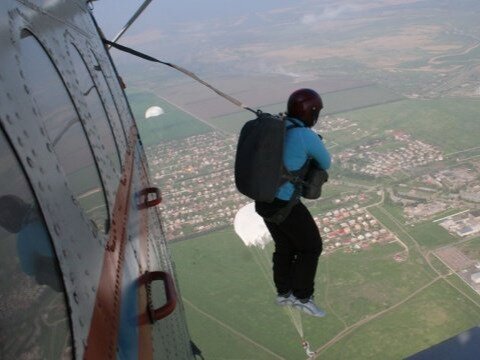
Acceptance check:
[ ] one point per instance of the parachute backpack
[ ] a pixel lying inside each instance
(259, 169)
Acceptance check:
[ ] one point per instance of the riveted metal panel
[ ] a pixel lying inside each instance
(167, 346)
(80, 248)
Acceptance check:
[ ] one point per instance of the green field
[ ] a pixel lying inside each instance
(334, 102)
(427, 234)
(451, 124)
(435, 313)
(431, 235)
(174, 124)
(228, 296)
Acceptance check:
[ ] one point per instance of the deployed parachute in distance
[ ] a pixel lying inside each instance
(153, 111)
(250, 227)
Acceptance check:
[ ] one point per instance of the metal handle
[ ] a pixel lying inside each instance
(145, 203)
(152, 315)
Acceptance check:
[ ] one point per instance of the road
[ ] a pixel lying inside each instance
(425, 255)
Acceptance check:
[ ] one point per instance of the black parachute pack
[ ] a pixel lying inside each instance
(259, 168)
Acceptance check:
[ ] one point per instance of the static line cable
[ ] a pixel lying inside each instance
(132, 19)
(182, 70)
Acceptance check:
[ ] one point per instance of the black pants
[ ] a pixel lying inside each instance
(298, 246)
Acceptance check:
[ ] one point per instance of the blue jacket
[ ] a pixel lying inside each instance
(301, 143)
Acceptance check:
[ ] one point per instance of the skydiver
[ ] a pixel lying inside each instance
(298, 243)
(306, 347)
(34, 247)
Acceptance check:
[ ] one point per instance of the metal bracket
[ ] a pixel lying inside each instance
(144, 203)
(151, 314)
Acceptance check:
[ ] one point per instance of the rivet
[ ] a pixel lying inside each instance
(19, 141)
(49, 147)
(75, 297)
(29, 162)
(8, 119)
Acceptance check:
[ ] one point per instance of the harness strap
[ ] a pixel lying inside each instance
(296, 177)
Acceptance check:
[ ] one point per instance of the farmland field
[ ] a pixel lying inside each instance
(428, 120)
(334, 102)
(226, 290)
(172, 125)
(435, 313)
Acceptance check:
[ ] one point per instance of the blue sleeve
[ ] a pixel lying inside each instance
(317, 150)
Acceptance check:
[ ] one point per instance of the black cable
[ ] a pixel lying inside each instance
(176, 67)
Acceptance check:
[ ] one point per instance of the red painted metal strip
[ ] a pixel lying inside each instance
(103, 334)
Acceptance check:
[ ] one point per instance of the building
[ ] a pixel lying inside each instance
(476, 277)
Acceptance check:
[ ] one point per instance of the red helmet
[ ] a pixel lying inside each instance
(305, 105)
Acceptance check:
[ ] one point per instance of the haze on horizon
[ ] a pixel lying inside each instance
(294, 38)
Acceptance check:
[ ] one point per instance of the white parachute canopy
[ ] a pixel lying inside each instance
(153, 111)
(250, 227)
